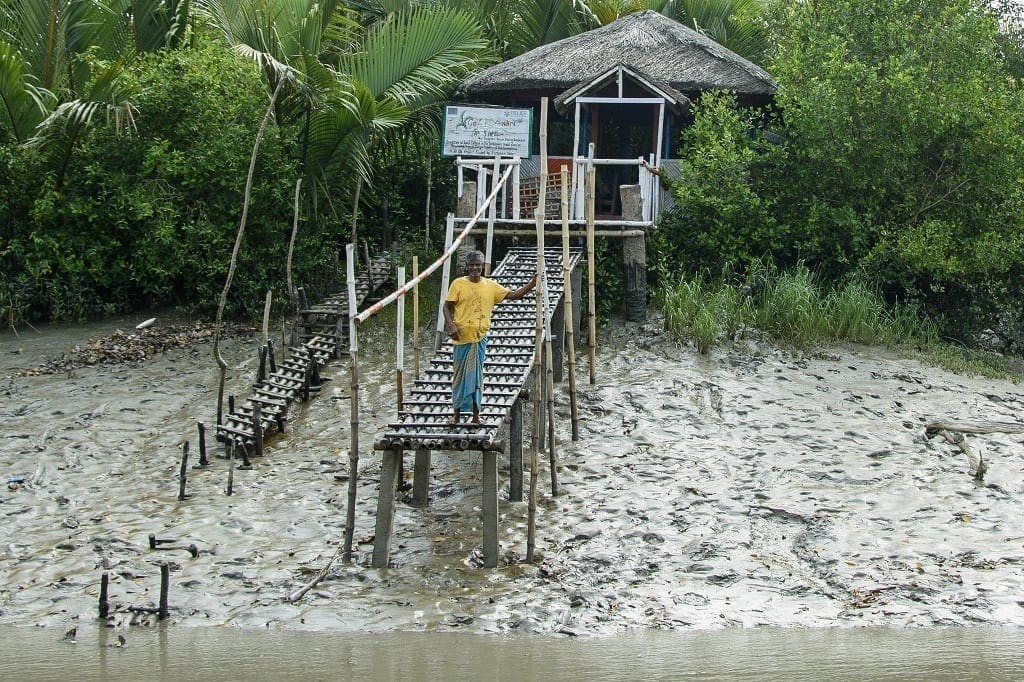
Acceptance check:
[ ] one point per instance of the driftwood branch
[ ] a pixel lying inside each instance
(321, 574)
(954, 432)
(973, 427)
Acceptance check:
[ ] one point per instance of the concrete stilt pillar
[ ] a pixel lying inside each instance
(421, 478)
(385, 508)
(489, 508)
(515, 452)
(634, 256)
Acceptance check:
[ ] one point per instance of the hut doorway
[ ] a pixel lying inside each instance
(619, 131)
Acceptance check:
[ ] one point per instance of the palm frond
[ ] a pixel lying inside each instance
(24, 106)
(419, 58)
(544, 21)
(108, 94)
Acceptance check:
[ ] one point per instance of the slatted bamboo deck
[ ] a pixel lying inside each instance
(424, 421)
(323, 333)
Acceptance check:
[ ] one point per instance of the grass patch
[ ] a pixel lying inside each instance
(794, 310)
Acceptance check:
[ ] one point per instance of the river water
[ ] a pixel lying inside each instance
(750, 510)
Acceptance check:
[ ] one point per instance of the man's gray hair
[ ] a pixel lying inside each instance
(474, 257)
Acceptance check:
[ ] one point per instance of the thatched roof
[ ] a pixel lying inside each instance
(646, 42)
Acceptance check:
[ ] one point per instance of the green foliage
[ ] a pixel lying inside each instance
(721, 216)
(897, 153)
(151, 220)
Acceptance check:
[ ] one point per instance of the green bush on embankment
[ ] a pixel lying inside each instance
(793, 309)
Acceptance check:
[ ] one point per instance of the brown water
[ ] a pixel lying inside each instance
(748, 488)
(214, 654)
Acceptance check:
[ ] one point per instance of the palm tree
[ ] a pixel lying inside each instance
(357, 87)
(735, 24)
(61, 62)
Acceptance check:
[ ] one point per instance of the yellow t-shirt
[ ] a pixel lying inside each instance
(473, 304)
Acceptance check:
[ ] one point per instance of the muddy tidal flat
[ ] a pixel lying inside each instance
(748, 487)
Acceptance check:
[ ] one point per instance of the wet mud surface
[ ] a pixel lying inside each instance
(749, 487)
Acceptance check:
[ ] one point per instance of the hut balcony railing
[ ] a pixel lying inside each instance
(509, 207)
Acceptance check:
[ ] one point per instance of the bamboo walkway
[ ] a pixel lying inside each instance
(424, 420)
(323, 333)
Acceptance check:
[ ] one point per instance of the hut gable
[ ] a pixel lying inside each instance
(647, 43)
(622, 81)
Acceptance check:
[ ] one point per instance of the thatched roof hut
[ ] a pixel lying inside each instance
(647, 43)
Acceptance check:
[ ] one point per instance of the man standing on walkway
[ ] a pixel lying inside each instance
(467, 318)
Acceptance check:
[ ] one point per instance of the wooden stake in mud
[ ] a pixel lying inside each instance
(400, 341)
(231, 468)
(567, 295)
(183, 474)
(165, 585)
(203, 461)
(591, 269)
(104, 604)
(353, 451)
(416, 314)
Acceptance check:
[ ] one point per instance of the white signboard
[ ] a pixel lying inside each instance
(486, 131)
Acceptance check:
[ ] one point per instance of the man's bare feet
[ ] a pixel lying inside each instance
(454, 420)
(476, 419)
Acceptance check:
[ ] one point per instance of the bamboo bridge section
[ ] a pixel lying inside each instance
(322, 330)
(424, 420)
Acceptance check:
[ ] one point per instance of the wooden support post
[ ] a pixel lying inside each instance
(385, 508)
(400, 343)
(515, 452)
(231, 468)
(490, 508)
(567, 307)
(270, 356)
(634, 256)
(257, 428)
(416, 318)
(446, 277)
(421, 478)
(543, 292)
(591, 272)
(353, 450)
(261, 373)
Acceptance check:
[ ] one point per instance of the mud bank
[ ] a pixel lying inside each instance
(749, 487)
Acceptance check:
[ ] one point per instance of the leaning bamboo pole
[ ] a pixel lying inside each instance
(591, 271)
(456, 243)
(353, 451)
(567, 295)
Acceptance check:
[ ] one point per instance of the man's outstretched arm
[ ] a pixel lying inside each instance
(522, 291)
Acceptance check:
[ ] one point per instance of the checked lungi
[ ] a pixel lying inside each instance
(468, 375)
